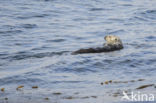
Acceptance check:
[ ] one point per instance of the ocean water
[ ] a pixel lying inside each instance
(37, 38)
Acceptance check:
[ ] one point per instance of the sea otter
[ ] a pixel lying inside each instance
(112, 43)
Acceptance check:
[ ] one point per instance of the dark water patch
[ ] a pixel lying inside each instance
(30, 16)
(99, 9)
(127, 5)
(83, 19)
(129, 23)
(19, 80)
(151, 11)
(148, 52)
(8, 26)
(84, 70)
(2, 60)
(140, 18)
(56, 40)
(79, 38)
(98, 64)
(28, 55)
(126, 61)
(41, 48)
(3, 54)
(78, 63)
(28, 26)
(10, 31)
(150, 61)
(148, 14)
(41, 15)
(150, 38)
(107, 61)
(116, 20)
(24, 8)
(77, 70)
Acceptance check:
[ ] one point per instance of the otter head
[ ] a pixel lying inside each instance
(112, 40)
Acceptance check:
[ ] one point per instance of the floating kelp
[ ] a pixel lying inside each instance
(2, 89)
(46, 98)
(106, 82)
(145, 86)
(69, 97)
(110, 81)
(34, 87)
(94, 96)
(19, 87)
(57, 93)
(84, 97)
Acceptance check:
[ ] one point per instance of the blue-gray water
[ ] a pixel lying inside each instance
(38, 36)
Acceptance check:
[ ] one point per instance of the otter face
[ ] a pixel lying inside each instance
(112, 39)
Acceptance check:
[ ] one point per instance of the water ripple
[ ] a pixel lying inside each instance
(27, 55)
(29, 16)
(28, 26)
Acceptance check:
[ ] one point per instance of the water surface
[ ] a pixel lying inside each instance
(38, 36)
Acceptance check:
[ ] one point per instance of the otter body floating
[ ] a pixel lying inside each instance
(112, 43)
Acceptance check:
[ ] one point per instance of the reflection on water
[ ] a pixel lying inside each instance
(38, 36)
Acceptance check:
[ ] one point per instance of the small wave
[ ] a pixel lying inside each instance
(117, 31)
(116, 19)
(150, 38)
(98, 9)
(29, 26)
(148, 14)
(75, 69)
(127, 5)
(33, 16)
(140, 18)
(149, 11)
(19, 80)
(56, 40)
(27, 55)
(11, 31)
(3, 54)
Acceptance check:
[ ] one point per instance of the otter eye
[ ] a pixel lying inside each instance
(116, 39)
